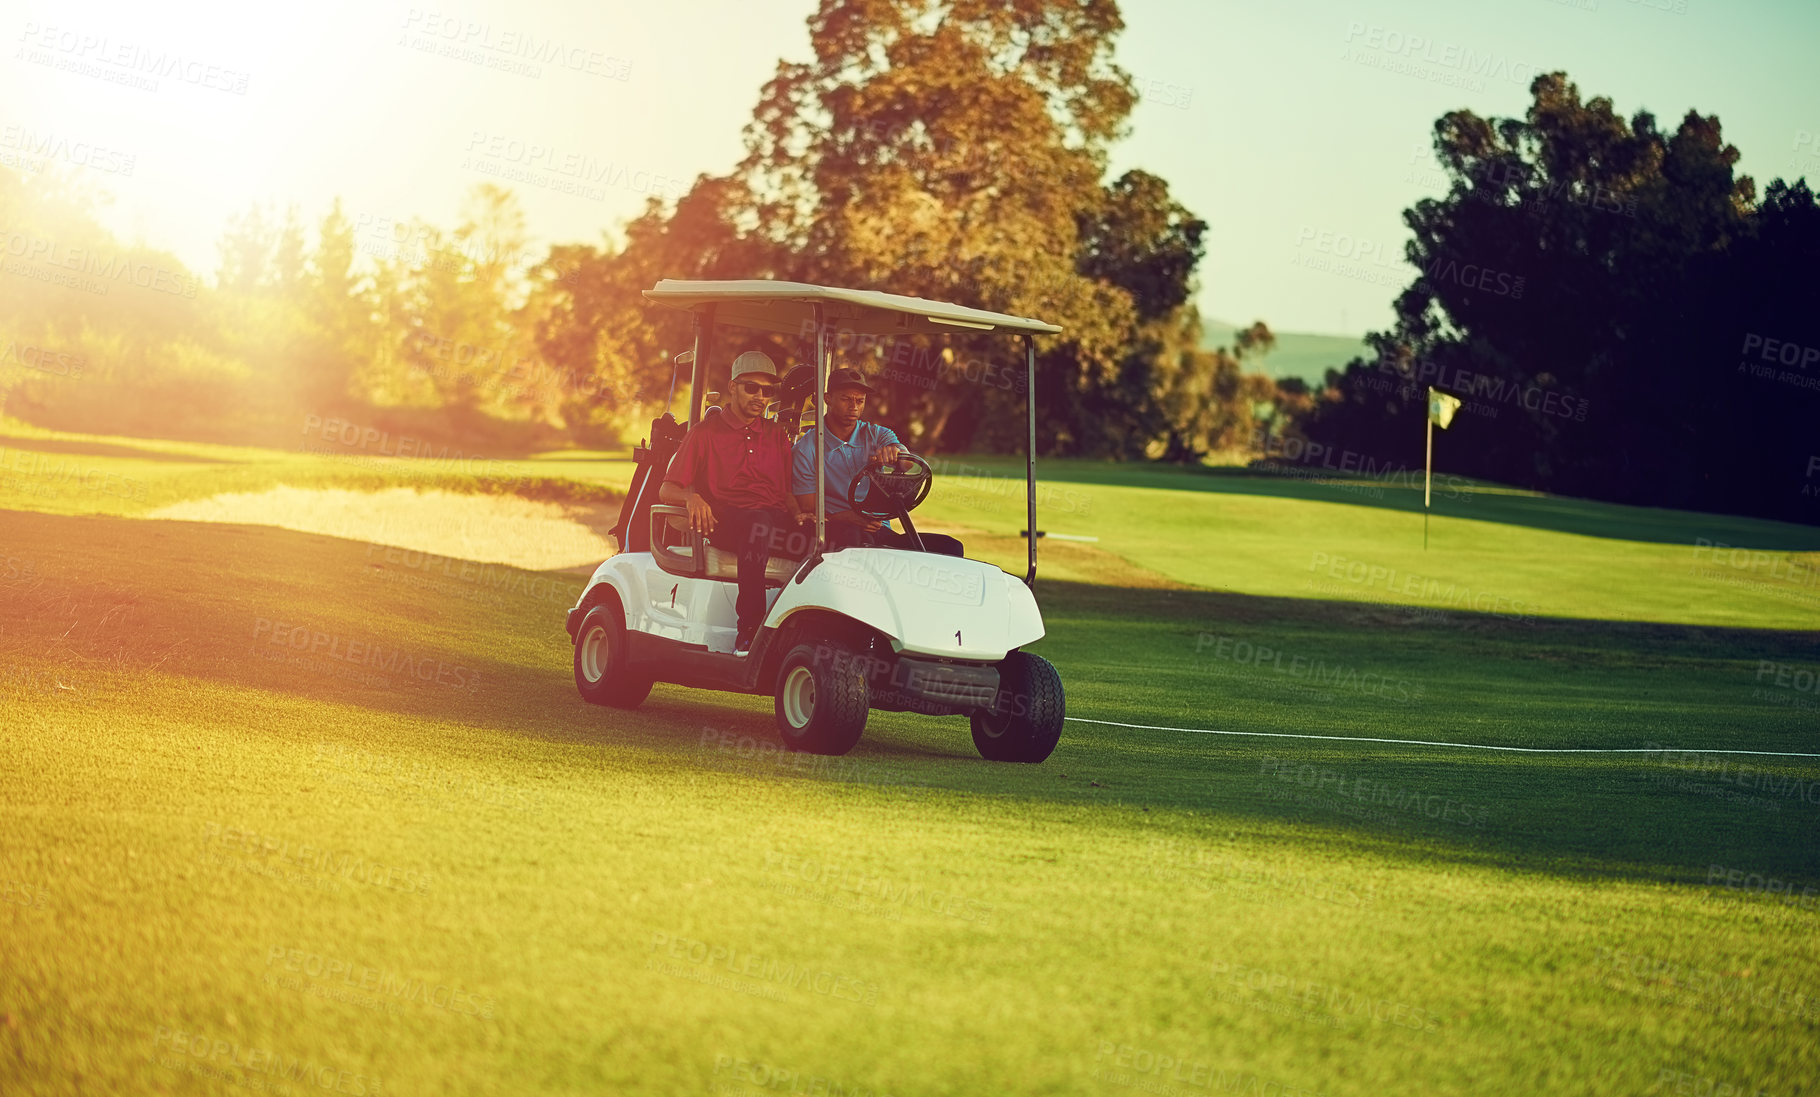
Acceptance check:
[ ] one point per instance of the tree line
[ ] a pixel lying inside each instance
(962, 161)
(1622, 313)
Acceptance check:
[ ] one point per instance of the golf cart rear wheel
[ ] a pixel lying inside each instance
(1026, 721)
(603, 673)
(821, 698)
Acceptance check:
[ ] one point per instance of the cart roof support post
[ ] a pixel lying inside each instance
(698, 377)
(1030, 455)
(821, 430)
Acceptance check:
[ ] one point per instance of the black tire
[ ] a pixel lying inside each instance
(1026, 722)
(821, 698)
(602, 664)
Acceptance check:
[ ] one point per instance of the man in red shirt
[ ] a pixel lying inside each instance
(730, 472)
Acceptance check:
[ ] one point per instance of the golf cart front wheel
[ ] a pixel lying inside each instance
(1025, 721)
(603, 673)
(822, 699)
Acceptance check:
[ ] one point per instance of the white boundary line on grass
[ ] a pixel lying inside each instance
(1462, 746)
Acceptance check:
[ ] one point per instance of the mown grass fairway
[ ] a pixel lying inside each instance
(229, 866)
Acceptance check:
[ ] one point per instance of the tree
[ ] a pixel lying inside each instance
(1579, 288)
(594, 337)
(246, 248)
(286, 266)
(950, 154)
(339, 310)
(1142, 242)
(452, 316)
(958, 153)
(1210, 402)
(609, 355)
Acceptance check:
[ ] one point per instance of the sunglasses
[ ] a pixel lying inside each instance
(759, 388)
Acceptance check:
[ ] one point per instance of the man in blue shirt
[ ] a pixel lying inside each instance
(854, 444)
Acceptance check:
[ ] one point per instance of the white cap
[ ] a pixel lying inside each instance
(753, 361)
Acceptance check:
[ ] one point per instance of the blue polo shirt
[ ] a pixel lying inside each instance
(845, 460)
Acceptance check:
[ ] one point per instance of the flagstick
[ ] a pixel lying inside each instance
(1428, 472)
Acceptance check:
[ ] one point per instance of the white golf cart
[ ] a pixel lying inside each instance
(847, 630)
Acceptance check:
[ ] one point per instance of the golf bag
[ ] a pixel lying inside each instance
(632, 533)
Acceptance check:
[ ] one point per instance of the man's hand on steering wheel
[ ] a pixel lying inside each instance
(888, 486)
(887, 455)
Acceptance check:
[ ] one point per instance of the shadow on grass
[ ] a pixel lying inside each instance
(196, 601)
(1663, 816)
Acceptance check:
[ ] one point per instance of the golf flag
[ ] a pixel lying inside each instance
(1441, 408)
(1440, 413)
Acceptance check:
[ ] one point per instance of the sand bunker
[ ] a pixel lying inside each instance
(498, 529)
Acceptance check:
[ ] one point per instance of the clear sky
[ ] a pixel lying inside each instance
(1293, 127)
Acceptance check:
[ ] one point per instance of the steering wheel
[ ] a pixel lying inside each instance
(898, 493)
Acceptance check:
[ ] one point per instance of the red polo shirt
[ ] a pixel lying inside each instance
(744, 467)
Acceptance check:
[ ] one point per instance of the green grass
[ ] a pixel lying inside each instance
(516, 892)
(1511, 553)
(1497, 550)
(64, 473)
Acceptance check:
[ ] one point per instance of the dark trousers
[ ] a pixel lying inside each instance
(845, 536)
(754, 536)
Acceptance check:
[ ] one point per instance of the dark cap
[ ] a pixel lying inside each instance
(847, 377)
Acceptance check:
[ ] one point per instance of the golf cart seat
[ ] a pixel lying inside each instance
(681, 551)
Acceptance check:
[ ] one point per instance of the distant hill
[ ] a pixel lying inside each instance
(1296, 355)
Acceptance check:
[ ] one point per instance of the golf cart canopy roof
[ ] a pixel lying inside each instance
(789, 308)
